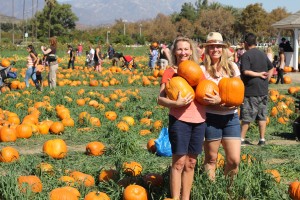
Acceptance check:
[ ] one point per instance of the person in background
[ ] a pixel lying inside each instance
(222, 122)
(201, 52)
(52, 61)
(72, 57)
(40, 68)
(116, 58)
(256, 69)
(186, 123)
(239, 52)
(91, 57)
(32, 62)
(153, 56)
(270, 53)
(164, 56)
(110, 51)
(80, 49)
(98, 59)
(281, 66)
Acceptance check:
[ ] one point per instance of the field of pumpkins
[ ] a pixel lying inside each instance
(93, 138)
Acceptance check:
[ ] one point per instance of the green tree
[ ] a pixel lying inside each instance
(188, 11)
(219, 20)
(55, 20)
(162, 29)
(254, 19)
(275, 16)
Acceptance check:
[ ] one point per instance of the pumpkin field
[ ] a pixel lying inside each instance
(92, 137)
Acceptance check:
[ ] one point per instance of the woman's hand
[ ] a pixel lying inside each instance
(183, 101)
(213, 99)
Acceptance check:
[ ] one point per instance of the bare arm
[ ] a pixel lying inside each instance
(262, 75)
(45, 51)
(35, 59)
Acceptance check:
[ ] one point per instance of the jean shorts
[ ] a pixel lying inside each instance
(186, 138)
(222, 127)
(254, 108)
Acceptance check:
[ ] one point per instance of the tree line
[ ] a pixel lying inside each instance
(193, 20)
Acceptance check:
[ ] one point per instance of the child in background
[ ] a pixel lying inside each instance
(87, 59)
(39, 70)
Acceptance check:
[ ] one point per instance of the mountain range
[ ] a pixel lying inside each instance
(101, 12)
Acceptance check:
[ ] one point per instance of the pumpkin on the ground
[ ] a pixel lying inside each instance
(95, 148)
(9, 154)
(56, 148)
(294, 190)
(135, 192)
(32, 183)
(96, 196)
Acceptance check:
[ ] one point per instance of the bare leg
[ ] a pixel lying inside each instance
(178, 162)
(262, 128)
(232, 150)
(211, 149)
(188, 176)
(244, 129)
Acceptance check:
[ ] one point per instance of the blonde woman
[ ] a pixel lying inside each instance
(186, 124)
(270, 53)
(222, 123)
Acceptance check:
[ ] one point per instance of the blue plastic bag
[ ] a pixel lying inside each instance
(162, 143)
(11, 75)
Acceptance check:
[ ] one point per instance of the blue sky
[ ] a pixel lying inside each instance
(290, 5)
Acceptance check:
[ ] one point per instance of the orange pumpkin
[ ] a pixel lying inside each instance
(111, 115)
(24, 131)
(205, 86)
(57, 128)
(106, 175)
(95, 148)
(55, 148)
(231, 91)
(294, 190)
(274, 173)
(191, 72)
(82, 178)
(8, 134)
(5, 62)
(132, 168)
(68, 180)
(177, 84)
(151, 145)
(287, 80)
(8, 154)
(32, 183)
(96, 196)
(137, 192)
(66, 192)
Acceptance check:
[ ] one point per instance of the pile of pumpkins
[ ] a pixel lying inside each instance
(191, 80)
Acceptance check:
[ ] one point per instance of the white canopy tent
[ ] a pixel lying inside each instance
(292, 22)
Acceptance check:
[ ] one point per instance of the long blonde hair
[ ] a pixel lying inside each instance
(193, 57)
(226, 65)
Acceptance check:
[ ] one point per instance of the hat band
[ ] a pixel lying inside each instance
(215, 42)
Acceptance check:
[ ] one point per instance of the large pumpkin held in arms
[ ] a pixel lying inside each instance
(231, 91)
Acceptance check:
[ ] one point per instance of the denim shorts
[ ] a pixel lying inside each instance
(222, 127)
(186, 138)
(254, 108)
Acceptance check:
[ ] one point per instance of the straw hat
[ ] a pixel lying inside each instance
(214, 38)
